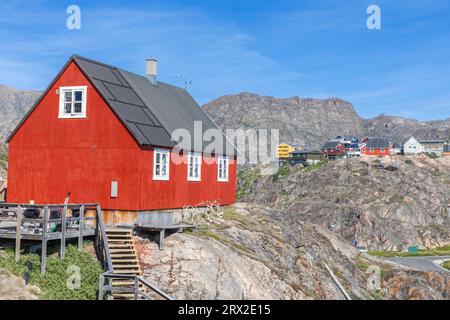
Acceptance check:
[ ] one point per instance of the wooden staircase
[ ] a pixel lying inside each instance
(124, 260)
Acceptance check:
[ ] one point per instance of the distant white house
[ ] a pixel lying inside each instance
(396, 149)
(414, 146)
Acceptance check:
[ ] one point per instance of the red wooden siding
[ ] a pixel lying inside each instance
(376, 151)
(49, 157)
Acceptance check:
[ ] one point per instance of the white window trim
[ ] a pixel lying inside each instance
(227, 162)
(62, 114)
(160, 177)
(191, 156)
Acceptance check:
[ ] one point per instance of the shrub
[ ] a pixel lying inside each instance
(53, 283)
(283, 171)
(396, 199)
(446, 265)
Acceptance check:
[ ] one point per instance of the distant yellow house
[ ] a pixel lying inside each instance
(284, 149)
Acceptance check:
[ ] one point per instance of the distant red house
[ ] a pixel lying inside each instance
(333, 149)
(103, 135)
(376, 147)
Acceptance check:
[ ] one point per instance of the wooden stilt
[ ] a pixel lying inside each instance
(44, 239)
(63, 233)
(18, 232)
(80, 237)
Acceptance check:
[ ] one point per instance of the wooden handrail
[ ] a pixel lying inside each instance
(138, 280)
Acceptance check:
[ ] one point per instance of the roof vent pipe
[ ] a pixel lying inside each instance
(152, 70)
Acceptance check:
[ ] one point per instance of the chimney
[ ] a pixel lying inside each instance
(152, 70)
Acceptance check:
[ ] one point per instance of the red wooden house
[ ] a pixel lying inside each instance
(376, 147)
(103, 135)
(333, 149)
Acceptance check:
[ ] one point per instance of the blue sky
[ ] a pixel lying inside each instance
(281, 48)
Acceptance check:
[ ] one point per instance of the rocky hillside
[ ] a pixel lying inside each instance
(14, 104)
(251, 251)
(3, 162)
(311, 122)
(400, 129)
(385, 204)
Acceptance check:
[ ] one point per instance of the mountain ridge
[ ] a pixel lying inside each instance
(311, 122)
(303, 121)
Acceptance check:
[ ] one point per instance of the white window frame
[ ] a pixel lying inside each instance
(194, 158)
(161, 152)
(223, 169)
(62, 110)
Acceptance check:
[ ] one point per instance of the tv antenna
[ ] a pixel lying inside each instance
(187, 82)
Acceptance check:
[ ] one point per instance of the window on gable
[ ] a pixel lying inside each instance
(222, 168)
(194, 166)
(161, 164)
(72, 102)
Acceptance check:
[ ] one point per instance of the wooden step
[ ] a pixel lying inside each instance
(120, 236)
(119, 231)
(116, 260)
(127, 266)
(132, 272)
(119, 283)
(119, 255)
(122, 250)
(126, 245)
(120, 240)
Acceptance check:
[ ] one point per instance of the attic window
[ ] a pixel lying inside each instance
(72, 102)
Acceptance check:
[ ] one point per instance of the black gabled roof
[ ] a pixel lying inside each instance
(306, 151)
(150, 112)
(432, 141)
(330, 145)
(378, 143)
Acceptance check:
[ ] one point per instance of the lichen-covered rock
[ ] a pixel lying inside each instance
(359, 199)
(261, 253)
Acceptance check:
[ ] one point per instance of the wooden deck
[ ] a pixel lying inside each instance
(9, 232)
(35, 223)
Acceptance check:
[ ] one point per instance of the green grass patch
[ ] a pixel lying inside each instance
(441, 251)
(314, 167)
(3, 155)
(396, 199)
(432, 155)
(53, 283)
(409, 161)
(232, 214)
(376, 161)
(283, 171)
(246, 178)
(213, 235)
(446, 265)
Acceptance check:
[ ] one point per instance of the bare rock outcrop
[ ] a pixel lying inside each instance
(385, 204)
(254, 252)
(14, 288)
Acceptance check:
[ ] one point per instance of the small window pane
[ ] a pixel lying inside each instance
(78, 107)
(158, 169)
(78, 96)
(68, 96)
(68, 108)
